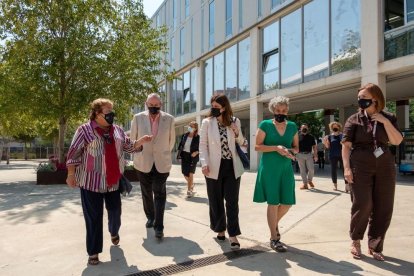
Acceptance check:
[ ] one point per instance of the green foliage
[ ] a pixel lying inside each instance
(314, 120)
(58, 56)
(45, 167)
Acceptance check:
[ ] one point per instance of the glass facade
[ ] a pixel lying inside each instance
(259, 8)
(291, 49)
(174, 13)
(208, 81)
(316, 40)
(193, 97)
(187, 8)
(410, 10)
(218, 73)
(346, 35)
(179, 97)
(270, 58)
(182, 46)
(172, 51)
(186, 93)
(229, 16)
(183, 96)
(244, 69)
(231, 73)
(211, 25)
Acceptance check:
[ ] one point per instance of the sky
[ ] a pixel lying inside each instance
(151, 6)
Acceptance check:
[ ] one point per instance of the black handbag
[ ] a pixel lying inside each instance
(125, 186)
(243, 157)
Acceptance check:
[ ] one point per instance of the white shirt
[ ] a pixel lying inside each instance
(187, 144)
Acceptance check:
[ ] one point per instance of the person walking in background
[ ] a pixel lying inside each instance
(153, 164)
(222, 167)
(95, 163)
(278, 140)
(188, 153)
(370, 169)
(333, 143)
(306, 156)
(321, 154)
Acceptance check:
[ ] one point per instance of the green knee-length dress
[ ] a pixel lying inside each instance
(275, 182)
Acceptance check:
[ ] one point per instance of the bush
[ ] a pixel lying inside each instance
(45, 167)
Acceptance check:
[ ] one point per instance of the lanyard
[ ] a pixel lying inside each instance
(374, 130)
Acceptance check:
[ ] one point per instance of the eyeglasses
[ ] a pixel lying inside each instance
(107, 138)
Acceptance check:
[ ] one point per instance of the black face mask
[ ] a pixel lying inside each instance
(335, 129)
(280, 118)
(215, 112)
(154, 109)
(304, 130)
(365, 103)
(109, 118)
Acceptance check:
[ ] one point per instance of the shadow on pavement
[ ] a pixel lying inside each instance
(393, 265)
(117, 266)
(273, 263)
(197, 199)
(177, 247)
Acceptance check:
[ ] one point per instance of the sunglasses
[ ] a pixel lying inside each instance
(107, 138)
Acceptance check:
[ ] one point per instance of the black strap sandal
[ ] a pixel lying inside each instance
(115, 240)
(277, 246)
(93, 260)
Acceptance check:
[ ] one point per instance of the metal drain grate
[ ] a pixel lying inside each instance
(193, 264)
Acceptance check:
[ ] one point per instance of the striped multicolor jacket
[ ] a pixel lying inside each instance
(87, 153)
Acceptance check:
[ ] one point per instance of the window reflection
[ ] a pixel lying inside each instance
(291, 49)
(244, 69)
(270, 57)
(186, 92)
(179, 98)
(316, 40)
(219, 73)
(346, 40)
(231, 73)
(208, 82)
(193, 90)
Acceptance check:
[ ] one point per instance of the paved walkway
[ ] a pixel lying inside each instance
(43, 233)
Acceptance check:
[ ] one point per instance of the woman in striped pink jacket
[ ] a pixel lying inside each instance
(95, 163)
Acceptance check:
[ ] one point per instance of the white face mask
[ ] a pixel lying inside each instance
(190, 129)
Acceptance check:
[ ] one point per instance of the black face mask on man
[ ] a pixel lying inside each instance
(154, 109)
(280, 118)
(304, 130)
(215, 112)
(335, 129)
(365, 103)
(109, 118)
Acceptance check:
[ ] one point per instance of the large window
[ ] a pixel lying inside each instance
(398, 13)
(259, 8)
(174, 13)
(410, 10)
(179, 98)
(316, 40)
(182, 46)
(240, 14)
(187, 8)
(291, 49)
(186, 92)
(244, 69)
(229, 15)
(346, 38)
(211, 25)
(219, 73)
(231, 73)
(193, 90)
(183, 98)
(270, 58)
(202, 30)
(172, 51)
(208, 81)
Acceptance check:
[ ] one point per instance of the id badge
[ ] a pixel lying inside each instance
(378, 152)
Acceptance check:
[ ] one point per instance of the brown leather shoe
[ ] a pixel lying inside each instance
(303, 187)
(311, 184)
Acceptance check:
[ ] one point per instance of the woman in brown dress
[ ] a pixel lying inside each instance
(370, 170)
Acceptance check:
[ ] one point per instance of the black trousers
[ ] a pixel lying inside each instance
(334, 168)
(372, 195)
(225, 187)
(92, 205)
(321, 159)
(154, 195)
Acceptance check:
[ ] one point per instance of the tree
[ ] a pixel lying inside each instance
(60, 55)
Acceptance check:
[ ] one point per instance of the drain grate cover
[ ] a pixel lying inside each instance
(202, 262)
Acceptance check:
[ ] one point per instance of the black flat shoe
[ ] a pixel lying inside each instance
(150, 223)
(221, 238)
(235, 246)
(115, 240)
(159, 234)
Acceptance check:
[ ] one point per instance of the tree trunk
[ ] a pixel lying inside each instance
(25, 150)
(8, 154)
(61, 145)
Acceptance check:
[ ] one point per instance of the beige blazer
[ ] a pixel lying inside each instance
(157, 151)
(210, 147)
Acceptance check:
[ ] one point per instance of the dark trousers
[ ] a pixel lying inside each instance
(334, 168)
(372, 195)
(321, 159)
(225, 187)
(154, 195)
(92, 205)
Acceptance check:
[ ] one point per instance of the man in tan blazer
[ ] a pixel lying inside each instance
(153, 163)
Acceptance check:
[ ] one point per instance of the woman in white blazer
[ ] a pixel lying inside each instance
(218, 137)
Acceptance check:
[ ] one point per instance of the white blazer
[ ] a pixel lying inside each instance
(210, 147)
(157, 151)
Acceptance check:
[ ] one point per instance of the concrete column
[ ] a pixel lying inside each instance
(372, 43)
(328, 117)
(256, 116)
(403, 113)
(346, 112)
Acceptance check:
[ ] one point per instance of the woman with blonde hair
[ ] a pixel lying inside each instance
(333, 143)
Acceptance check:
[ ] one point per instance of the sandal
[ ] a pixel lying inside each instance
(93, 260)
(278, 233)
(356, 249)
(377, 255)
(278, 246)
(115, 240)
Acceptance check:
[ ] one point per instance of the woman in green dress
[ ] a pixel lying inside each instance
(278, 140)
